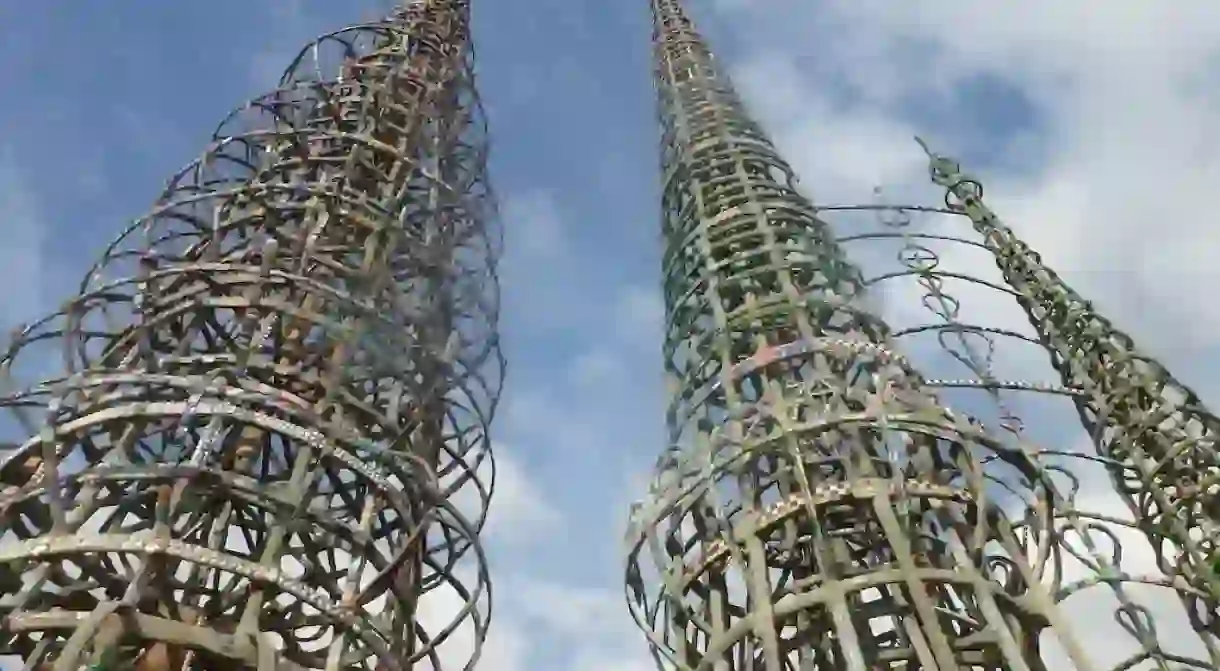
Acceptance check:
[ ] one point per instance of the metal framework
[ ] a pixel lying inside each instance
(1092, 556)
(1156, 434)
(274, 387)
(819, 506)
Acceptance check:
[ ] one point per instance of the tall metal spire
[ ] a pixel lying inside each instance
(1158, 434)
(274, 386)
(818, 508)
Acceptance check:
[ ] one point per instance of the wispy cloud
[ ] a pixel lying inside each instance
(522, 510)
(1114, 169)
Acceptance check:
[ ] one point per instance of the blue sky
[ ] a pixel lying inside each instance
(1090, 129)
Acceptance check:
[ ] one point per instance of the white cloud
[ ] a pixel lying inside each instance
(593, 619)
(520, 510)
(540, 624)
(445, 609)
(1127, 109)
(538, 620)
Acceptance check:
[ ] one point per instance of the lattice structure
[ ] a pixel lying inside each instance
(275, 386)
(1130, 610)
(820, 507)
(1156, 435)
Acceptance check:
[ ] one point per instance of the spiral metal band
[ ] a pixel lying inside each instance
(1090, 558)
(262, 451)
(819, 507)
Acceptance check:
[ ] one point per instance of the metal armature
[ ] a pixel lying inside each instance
(1117, 606)
(1155, 436)
(261, 451)
(820, 507)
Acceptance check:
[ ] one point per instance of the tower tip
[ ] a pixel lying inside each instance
(942, 168)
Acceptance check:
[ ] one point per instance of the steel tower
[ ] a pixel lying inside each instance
(1130, 607)
(1158, 436)
(274, 386)
(820, 508)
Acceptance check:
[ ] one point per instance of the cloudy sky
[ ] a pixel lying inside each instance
(1096, 128)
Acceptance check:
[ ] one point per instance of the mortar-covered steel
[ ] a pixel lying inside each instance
(1155, 433)
(820, 506)
(275, 387)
